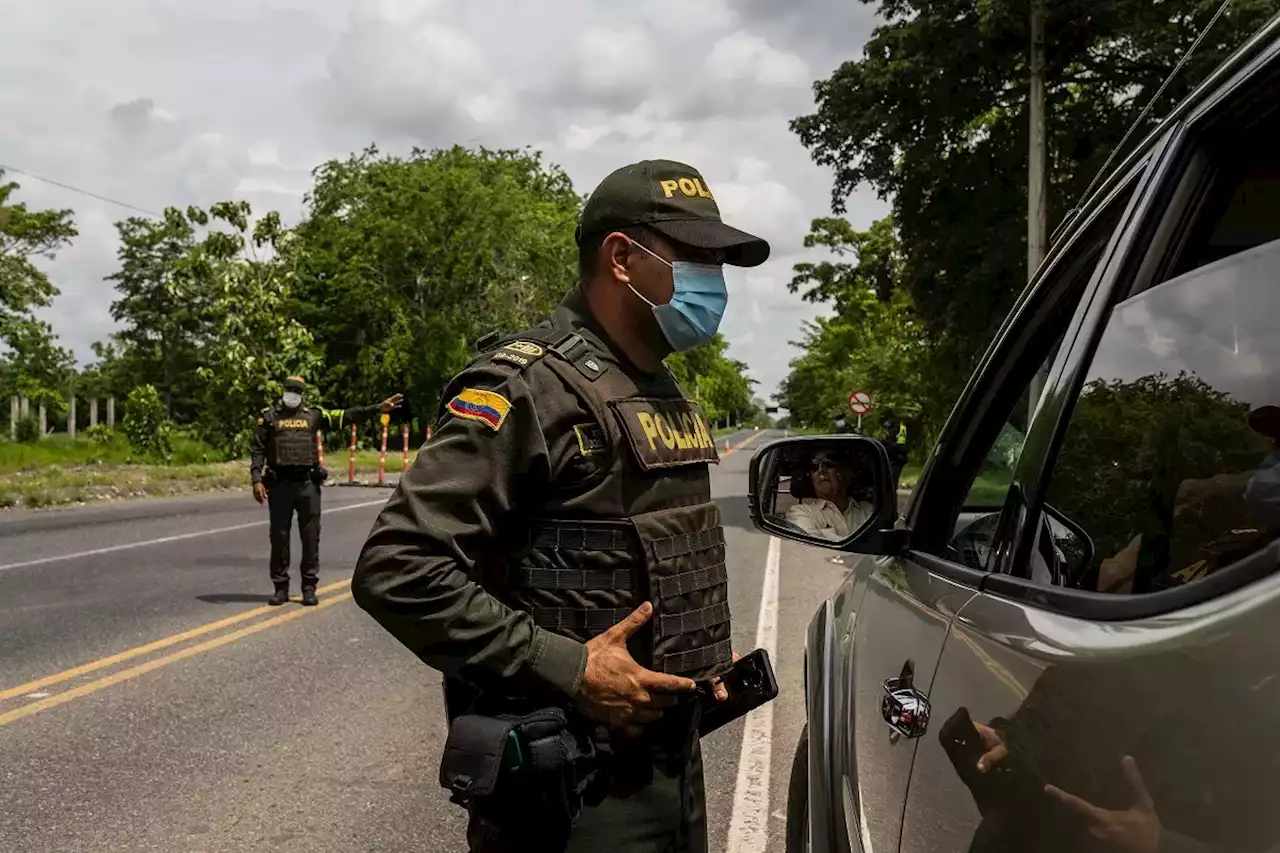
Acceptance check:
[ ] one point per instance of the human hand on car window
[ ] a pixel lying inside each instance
(993, 749)
(1136, 828)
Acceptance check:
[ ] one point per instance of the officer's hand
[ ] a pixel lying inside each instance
(617, 690)
(392, 402)
(717, 686)
(259, 492)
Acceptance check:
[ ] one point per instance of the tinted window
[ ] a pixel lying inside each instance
(1171, 461)
(977, 524)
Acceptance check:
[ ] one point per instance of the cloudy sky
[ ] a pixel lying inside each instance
(194, 101)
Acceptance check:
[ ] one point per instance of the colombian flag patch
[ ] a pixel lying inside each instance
(486, 407)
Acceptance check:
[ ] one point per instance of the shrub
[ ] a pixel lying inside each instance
(145, 425)
(28, 430)
(100, 434)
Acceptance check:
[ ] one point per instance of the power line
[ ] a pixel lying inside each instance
(4, 168)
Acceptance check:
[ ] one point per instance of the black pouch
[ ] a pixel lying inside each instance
(519, 775)
(319, 475)
(473, 756)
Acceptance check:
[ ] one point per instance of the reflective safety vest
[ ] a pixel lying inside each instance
(646, 529)
(902, 433)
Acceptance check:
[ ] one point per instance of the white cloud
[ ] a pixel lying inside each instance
(194, 101)
(744, 55)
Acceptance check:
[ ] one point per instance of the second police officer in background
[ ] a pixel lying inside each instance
(554, 549)
(285, 470)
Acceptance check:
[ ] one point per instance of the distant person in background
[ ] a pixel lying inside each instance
(285, 470)
(826, 508)
(893, 435)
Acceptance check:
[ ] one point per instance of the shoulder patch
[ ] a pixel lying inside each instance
(475, 404)
(259, 421)
(591, 439)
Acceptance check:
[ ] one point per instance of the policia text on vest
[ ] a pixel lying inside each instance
(286, 474)
(554, 549)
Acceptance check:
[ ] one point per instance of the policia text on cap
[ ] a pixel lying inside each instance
(554, 549)
(285, 469)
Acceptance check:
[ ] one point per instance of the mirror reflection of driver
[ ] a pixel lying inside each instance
(826, 508)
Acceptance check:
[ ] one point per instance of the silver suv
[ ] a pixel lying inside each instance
(1069, 636)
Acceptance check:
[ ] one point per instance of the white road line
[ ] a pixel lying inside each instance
(749, 825)
(162, 540)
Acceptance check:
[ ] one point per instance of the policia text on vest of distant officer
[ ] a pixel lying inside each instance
(554, 549)
(286, 473)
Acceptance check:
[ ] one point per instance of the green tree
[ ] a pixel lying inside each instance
(934, 117)
(162, 305)
(251, 341)
(720, 384)
(875, 341)
(31, 362)
(404, 262)
(145, 424)
(33, 365)
(1134, 453)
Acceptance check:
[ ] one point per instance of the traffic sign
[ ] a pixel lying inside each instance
(859, 403)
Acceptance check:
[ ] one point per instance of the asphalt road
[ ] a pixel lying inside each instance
(149, 700)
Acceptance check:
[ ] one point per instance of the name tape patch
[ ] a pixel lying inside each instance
(293, 423)
(665, 433)
(487, 407)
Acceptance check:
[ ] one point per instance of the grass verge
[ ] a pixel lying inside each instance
(60, 485)
(63, 451)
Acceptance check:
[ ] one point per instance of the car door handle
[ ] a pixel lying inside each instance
(904, 708)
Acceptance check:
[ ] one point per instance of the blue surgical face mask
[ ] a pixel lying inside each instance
(693, 315)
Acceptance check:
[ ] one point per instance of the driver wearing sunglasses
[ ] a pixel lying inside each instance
(826, 508)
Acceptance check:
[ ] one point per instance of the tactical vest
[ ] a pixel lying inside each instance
(644, 529)
(293, 438)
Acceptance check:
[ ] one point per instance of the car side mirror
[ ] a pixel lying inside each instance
(834, 491)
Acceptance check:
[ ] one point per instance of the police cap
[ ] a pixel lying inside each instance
(295, 383)
(674, 200)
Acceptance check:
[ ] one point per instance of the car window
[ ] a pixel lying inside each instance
(976, 523)
(1171, 460)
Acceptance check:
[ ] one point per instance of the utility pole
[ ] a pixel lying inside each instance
(1037, 176)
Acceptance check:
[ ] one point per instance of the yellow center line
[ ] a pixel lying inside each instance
(174, 657)
(741, 444)
(994, 667)
(111, 660)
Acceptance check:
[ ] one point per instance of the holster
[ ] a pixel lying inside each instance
(522, 776)
(319, 475)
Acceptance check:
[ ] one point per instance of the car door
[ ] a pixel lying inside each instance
(1116, 676)
(888, 626)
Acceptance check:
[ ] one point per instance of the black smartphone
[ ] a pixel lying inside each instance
(750, 683)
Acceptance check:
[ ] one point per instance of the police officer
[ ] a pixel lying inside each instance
(286, 473)
(556, 540)
(893, 435)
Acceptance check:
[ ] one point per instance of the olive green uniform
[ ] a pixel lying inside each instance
(284, 457)
(552, 500)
